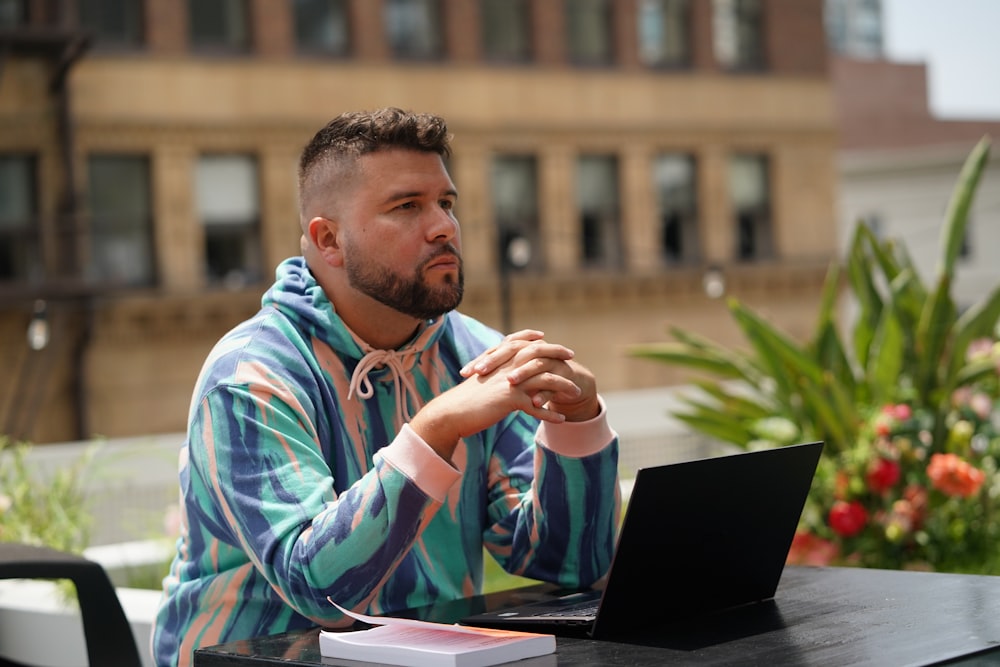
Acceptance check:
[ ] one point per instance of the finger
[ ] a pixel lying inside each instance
(541, 398)
(538, 359)
(549, 387)
(545, 414)
(501, 353)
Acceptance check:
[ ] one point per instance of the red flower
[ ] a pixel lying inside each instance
(882, 475)
(809, 549)
(847, 518)
(954, 476)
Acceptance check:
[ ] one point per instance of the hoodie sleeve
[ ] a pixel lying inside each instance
(270, 492)
(554, 516)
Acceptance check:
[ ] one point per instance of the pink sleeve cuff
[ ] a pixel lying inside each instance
(410, 455)
(578, 439)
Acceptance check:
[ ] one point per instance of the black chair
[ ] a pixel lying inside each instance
(108, 634)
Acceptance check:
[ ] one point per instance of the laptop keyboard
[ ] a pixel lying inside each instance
(584, 610)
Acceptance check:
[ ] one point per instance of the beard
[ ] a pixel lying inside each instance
(410, 295)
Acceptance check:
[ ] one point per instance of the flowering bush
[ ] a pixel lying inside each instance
(905, 400)
(902, 499)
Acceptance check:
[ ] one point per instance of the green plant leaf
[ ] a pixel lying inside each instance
(681, 354)
(731, 402)
(936, 322)
(957, 214)
(782, 353)
(862, 281)
(978, 321)
(886, 361)
(720, 429)
(974, 371)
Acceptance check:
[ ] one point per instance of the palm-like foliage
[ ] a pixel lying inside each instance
(908, 343)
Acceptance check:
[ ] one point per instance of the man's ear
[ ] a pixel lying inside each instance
(324, 235)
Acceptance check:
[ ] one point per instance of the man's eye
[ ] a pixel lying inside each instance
(408, 204)
(447, 204)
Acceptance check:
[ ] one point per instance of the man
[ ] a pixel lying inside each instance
(359, 439)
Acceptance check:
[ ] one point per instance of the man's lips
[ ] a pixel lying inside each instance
(449, 262)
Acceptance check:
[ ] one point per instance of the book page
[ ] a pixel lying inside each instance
(435, 639)
(427, 625)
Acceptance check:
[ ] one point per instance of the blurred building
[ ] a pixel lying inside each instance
(898, 162)
(642, 157)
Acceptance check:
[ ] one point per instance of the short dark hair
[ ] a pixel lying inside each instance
(357, 133)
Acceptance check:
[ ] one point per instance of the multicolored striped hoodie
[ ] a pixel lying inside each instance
(300, 479)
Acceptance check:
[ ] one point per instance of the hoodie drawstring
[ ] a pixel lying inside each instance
(403, 384)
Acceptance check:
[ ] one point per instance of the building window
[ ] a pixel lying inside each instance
(113, 23)
(854, 27)
(738, 28)
(514, 186)
(506, 33)
(121, 222)
(20, 259)
(414, 29)
(600, 211)
(589, 31)
(229, 209)
(322, 26)
(13, 13)
(674, 180)
(219, 25)
(664, 31)
(749, 188)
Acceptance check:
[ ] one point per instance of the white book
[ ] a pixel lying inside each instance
(401, 641)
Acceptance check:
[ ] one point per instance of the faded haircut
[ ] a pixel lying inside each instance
(353, 134)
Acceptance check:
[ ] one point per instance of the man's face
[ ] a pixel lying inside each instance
(401, 239)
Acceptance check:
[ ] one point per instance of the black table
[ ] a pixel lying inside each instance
(820, 616)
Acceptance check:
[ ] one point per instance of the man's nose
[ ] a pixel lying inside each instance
(443, 225)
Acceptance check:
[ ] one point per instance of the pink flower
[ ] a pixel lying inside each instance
(902, 412)
(954, 476)
(981, 348)
(981, 404)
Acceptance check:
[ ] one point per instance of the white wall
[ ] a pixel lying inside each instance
(39, 627)
(909, 190)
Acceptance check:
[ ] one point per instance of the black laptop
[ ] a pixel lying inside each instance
(698, 537)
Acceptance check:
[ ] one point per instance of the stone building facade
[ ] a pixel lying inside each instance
(148, 151)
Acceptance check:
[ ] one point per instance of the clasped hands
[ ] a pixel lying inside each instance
(522, 372)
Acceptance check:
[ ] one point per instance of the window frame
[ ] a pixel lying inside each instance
(221, 235)
(524, 225)
(26, 251)
(404, 51)
(233, 43)
(106, 227)
(753, 225)
(520, 19)
(132, 14)
(748, 55)
(687, 216)
(332, 49)
(575, 41)
(608, 233)
(686, 57)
